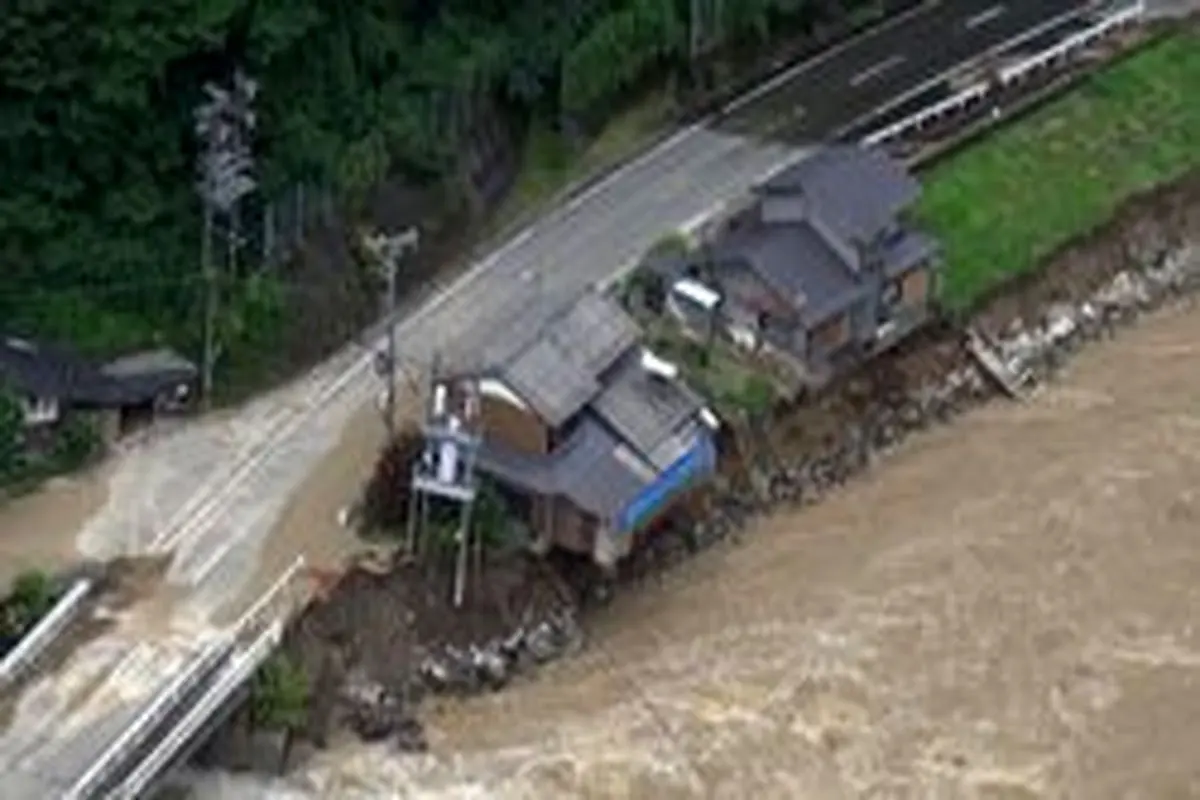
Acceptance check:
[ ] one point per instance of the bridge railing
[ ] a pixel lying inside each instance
(239, 669)
(34, 643)
(107, 766)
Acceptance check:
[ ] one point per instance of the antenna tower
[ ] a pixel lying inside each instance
(452, 433)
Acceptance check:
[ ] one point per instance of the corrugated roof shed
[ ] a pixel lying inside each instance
(551, 380)
(595, 331)
(48, 370)
(645, 410)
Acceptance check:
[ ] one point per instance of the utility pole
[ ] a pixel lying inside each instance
(224, 124)
(390, 250)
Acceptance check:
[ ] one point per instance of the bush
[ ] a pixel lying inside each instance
(756, 396)
(75, 443)
(386, 498)
(11, 429)
(32, 597)
(280, 695)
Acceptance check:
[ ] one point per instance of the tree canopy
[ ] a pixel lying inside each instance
(99, 220)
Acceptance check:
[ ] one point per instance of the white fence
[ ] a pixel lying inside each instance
(240, 668)
(137, 734)
(1010, 75)
(34, 643)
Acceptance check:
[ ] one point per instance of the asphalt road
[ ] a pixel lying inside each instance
(611, 225)
(584, 242)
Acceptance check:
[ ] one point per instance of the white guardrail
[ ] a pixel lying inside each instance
(1128, 16)
(223, 666)
(34, 643)
(239, 670)
(138, 732)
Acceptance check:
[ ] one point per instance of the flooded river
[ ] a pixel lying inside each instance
(1006, 609)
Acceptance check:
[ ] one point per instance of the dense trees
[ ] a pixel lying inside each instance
(99, 223)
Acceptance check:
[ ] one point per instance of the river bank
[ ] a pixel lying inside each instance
(1003, 610)
(1086, 291)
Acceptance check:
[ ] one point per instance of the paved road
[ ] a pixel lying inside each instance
(586, 242)
(252, 463)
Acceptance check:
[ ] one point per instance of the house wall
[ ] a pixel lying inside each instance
(574, 530)
(914, 287)
(831, 334)
(40, 410)
(513, 427)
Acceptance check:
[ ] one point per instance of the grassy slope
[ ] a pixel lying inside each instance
(1001, 206)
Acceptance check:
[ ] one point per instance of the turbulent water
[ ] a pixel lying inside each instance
(1005, 609)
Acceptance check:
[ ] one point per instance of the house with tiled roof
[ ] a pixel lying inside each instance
(824, 270)
(595, 433)
(51, 381)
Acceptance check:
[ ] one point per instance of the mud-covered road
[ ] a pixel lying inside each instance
(1005, 609)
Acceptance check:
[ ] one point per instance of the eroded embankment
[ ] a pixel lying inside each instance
(1147, 256)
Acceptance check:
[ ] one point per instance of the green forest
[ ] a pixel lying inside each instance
(100, 223)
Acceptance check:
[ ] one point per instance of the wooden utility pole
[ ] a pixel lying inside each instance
(223, 124)
(389, 313)
(209, 274)
(390, 249)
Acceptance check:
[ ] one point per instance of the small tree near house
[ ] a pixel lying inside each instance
(280, 695)
(11, 429)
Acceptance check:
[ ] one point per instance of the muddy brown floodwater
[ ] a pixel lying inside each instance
(1005, 609)
(38, 530)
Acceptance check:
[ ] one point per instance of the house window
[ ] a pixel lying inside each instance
(40, 410)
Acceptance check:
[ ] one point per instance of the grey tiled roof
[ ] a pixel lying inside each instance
(645, 410)
(555, 367)
(49, 370)
(909, 250)
(595, 332)
(795, 262)
(550, 380)
(596, 476)
(586, 469)
(856, 191)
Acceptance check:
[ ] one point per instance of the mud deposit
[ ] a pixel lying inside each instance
(1004, 610)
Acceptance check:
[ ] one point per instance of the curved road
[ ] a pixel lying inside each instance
(211, 493)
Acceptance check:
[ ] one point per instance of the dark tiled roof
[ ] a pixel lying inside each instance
(907, 251)
(587, 469)
(856, 191)
(48, 370)
(794, 261)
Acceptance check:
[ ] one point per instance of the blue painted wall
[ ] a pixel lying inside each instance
(688, 470)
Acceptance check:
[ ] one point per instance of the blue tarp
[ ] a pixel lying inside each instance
(698, 462)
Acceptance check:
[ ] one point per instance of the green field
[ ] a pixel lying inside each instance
(1004, 203)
